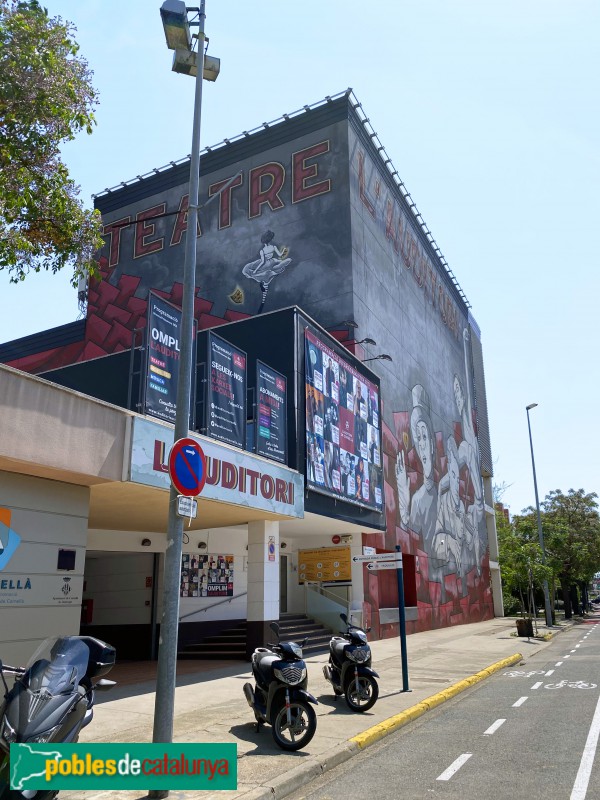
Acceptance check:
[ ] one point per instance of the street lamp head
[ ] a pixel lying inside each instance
(186, 63)
(366, 340)
(175, 23)
(380, 357)
(530, 406)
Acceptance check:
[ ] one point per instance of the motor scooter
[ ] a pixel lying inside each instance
(349, 668)
(279, 696)
(51, 699)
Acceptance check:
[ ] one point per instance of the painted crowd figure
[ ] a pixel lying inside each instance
(449, 530)
(271, 262)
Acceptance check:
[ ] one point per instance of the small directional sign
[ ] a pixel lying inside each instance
(376, 565)
(378, 557)
(186, 506)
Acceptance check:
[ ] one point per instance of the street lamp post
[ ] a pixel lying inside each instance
(547, 606)
(174, 17)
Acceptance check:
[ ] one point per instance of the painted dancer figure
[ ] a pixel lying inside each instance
(271, 262)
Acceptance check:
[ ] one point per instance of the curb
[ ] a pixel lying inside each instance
(392, 724)
(294, 779)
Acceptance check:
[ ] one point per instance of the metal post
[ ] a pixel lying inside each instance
(167, 652)
(400, 577)
(547, 606)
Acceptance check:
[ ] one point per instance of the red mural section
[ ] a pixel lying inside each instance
(465, 597)
(113, 313)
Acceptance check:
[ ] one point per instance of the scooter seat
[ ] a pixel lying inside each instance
(337, 645)
(262, 663)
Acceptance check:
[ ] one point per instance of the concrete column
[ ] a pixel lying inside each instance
(263, 582)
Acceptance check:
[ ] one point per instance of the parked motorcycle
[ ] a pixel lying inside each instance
(279, 696)
(51, 700)
(349, 668)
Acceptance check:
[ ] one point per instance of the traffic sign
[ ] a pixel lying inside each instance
(379, 557)
(384, 565)
(187, 467)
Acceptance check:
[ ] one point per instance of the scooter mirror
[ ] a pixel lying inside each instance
(344, 618)
(275, 628)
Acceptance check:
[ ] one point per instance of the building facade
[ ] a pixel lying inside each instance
(309, 213)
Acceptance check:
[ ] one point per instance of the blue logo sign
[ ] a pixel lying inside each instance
(9, 538)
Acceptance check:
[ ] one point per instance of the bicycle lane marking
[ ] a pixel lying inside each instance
(454, 767)
(587, 759)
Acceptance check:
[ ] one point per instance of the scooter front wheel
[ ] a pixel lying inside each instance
(364, 696)
(298, 733)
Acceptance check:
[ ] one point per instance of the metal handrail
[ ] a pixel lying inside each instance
(322, 590)
(212, 605)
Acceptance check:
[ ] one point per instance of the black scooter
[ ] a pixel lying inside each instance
(51, 700)
(349, 668)
(279, 696)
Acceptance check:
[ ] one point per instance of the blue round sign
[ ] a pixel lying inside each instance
(187, 467)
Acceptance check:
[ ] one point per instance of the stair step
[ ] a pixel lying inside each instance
(205, 646)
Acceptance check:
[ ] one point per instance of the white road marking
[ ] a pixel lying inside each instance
(537, 685)
(519, 702)
(577, 645)
(587, 759)
(454, 767)
(493, 728)
(567, 656)
(572, 651)
(550, 672)
(558, 664)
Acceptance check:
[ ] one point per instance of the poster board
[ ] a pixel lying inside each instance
(206, 575)
(327, 564)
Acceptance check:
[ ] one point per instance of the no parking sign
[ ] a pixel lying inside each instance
(271, 548)
(187, 467)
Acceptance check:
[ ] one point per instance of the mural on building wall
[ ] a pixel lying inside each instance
(271, 262)
(435, 510)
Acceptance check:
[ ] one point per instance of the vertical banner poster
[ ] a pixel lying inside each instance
(226, 403)
(162, 364)
(343, 428)
(271, 418)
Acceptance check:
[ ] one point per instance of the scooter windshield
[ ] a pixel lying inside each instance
(58, 665)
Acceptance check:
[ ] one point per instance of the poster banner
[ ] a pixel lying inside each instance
(162, 364)
(343, 428)
(226, 406)
(324, 564)
(271, 419)
(205, 575)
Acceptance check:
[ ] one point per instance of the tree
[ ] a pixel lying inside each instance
(571, 526)
(520, 558)
(46, 98)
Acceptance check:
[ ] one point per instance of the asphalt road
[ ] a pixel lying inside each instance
(528, 732)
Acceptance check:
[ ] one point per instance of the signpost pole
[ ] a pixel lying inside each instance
(167, 652)
(400, 576)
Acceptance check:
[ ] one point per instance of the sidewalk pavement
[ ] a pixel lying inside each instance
(210, 707)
